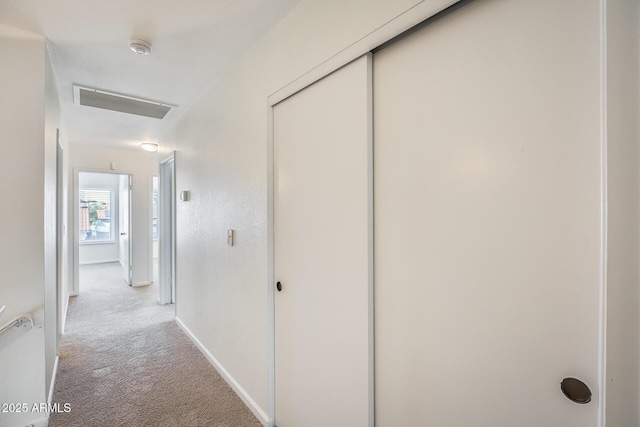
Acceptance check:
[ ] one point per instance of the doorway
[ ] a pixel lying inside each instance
(102, 222)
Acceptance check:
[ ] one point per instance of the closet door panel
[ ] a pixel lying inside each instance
(488, 217)
(322, 261)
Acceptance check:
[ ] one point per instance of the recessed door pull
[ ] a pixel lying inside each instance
(575, 390)
(279, 286)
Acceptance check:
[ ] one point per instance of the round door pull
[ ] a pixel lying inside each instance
(576, 390)
(279, 286)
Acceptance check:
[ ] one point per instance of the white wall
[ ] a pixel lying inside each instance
(221, 157)
(623, 329)
(221, 143)
(94, 252)
(142, 166)
(28, 184)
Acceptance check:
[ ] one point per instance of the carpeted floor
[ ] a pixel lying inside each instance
(124, 362)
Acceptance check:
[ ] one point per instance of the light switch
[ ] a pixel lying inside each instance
(184, 196)
(230, 237)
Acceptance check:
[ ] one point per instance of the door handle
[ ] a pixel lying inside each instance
(279, 286)
(123, 234)
(575, 390)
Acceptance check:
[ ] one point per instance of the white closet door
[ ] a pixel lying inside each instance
(321, 231)
(488, 217)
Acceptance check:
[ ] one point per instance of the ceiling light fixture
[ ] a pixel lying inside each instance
(149, 146)
(140, 47)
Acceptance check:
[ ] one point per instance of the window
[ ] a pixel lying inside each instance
(95, 215)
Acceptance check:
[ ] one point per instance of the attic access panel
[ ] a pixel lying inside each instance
(120, 103)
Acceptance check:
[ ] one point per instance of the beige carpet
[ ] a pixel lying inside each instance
(124, 362)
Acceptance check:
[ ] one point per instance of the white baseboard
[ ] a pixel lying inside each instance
(100, 261)
(251, 404)
(53, 380)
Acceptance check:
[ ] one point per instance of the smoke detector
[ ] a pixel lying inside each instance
(140, 47)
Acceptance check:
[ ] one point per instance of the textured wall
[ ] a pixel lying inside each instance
(221, 144)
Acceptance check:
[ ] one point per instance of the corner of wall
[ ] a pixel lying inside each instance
(23, 104)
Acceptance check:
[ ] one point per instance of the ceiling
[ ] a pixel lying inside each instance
(193, 42)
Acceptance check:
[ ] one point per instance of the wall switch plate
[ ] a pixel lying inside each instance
(230, 237)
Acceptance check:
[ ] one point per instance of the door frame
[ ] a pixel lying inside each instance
(167, 230)
(128, 278)
(61, 192)
(404, 24)
(150, 242)
(75, 290)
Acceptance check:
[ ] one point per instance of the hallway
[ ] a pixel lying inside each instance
(124, 362)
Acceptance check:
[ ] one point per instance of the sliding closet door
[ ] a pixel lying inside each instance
(321, 232)
(488, 218)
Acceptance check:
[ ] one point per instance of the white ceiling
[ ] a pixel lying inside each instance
(193, 41)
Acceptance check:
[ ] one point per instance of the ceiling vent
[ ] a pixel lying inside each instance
(121, 103)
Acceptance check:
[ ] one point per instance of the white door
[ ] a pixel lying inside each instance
(321, 215)
(124, 225)
(488, 217)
